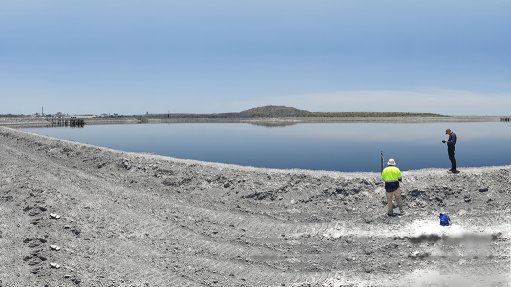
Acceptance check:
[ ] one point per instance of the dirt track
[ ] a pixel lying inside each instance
(143, 220)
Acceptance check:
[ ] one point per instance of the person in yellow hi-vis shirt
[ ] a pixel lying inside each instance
(392, 176)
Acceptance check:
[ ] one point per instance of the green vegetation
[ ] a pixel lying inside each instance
(370, 114)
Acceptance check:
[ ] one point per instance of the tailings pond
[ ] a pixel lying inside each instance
(317, 146)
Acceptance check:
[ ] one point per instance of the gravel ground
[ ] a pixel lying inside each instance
(78, 215)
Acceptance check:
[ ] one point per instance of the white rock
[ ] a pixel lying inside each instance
(54, 247)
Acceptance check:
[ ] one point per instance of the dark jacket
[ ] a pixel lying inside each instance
(451, 142)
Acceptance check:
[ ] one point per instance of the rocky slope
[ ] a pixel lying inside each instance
(78, 215)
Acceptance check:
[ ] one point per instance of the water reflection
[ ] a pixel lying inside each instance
(325, 146)
(273, 124)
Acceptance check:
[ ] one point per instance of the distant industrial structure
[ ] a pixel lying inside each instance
(67, 122)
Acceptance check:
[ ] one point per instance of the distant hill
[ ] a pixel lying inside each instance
(274, 112)
(283, 111)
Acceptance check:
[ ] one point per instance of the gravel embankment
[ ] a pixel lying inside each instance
(78, 215)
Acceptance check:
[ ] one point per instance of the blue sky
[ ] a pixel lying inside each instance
(202, 56)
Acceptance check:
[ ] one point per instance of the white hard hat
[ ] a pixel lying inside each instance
(391, 162)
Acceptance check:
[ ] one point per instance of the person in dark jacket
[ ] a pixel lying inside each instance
(451, 147)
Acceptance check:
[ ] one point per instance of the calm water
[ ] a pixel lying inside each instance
(321, 146)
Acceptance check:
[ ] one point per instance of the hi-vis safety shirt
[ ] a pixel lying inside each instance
(391, 175)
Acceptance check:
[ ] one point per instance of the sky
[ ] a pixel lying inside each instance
(450, 57)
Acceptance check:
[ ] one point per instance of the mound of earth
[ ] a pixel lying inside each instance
(78, 215)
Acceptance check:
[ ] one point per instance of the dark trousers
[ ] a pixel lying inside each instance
(450, 151)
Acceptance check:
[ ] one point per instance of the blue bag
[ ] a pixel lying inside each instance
(444, 219)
